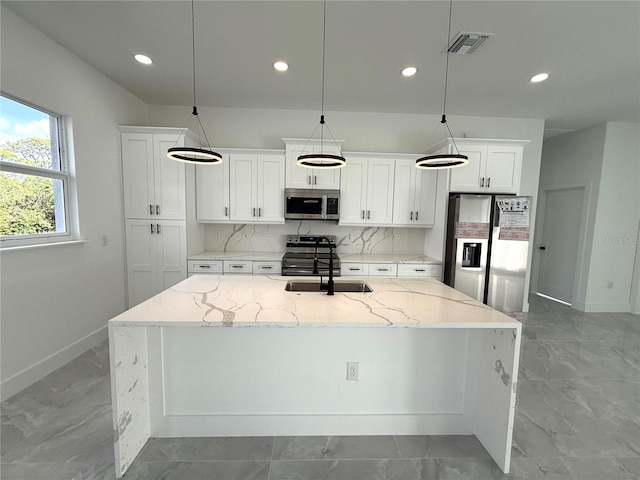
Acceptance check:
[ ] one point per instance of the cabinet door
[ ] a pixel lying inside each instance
(353, 192)
(424, 188)
(404, 192)
(327, 178)
(137, 167)
(296, 176)
(169, 175)
(141, 261)
(470, 177)
(212, 192)
(380, 178)
(243, 201)
(171, 253)
(503, 168)
(270, 187)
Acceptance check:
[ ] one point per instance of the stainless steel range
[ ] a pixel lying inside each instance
(310, 255)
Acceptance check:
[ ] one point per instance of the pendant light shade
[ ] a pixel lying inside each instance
(444, 161)
(321, 159)
(195, 155)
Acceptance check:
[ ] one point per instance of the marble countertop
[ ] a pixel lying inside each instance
(387, 258)
(256, 256)
(261, 301)
(344, 257)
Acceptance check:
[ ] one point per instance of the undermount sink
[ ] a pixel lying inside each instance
(309, 286)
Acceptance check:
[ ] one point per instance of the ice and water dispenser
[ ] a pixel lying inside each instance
(471, 253)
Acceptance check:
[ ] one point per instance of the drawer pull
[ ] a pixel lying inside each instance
(382, 269)
(355, 269)
(420, 270)
(265, 267)
(237, 266)
(150, 209)
(204, 266)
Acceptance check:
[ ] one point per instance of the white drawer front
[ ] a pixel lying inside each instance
(419, 270)
(204, 266)
(267, 268)
(383, 269)
(354, 269)
(241, 266)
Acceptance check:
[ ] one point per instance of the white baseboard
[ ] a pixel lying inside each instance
(604, 307)
(21, 380)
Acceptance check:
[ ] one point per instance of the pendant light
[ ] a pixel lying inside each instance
(195, 155)
(322, 160)
(434, 162)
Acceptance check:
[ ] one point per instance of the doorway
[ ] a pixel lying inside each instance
(558, 250)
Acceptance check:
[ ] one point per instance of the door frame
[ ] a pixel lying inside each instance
(584, 246)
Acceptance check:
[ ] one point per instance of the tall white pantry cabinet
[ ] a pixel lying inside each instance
(155, 207)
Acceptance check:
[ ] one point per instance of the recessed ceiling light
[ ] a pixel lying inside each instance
(143, 59)
(541, 77)
(409, 71)
(281, 66)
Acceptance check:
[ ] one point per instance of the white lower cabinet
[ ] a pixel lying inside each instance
(354, 269)
(419, 270)
(237, 266)
(204, 266)
(156, 257)
(267, 268)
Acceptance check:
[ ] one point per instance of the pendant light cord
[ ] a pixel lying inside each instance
(446, 70)
(193, 53)
(324, 41)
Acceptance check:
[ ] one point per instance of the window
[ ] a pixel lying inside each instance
(34, 179)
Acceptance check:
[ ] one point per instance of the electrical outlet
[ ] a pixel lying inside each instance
(609, 284)
(265, 235)
(353, 371)
(396, 237)
(105, 240)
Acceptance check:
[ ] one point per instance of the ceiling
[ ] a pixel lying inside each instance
(590, 48)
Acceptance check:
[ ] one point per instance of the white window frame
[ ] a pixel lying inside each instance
(37, 239)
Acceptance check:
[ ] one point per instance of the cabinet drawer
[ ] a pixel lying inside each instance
(267, 268)
(240, 266)
(351, 269)
(204, 266)
(383, 269)
(419, 270)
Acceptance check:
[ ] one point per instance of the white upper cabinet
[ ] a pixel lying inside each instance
(212, 192)
(495, 166)
(414, 199)
(256, 188)
(154, 185)
(302, 177)
(366, 192)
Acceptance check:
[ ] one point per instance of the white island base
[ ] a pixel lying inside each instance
(229, 356)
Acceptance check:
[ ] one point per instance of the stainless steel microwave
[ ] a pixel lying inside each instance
(305, 204)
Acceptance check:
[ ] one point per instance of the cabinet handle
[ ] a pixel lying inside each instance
(488, 182)
(420, 270)
(157, 228)
(309, 180)
(236, 266)
(362, 214)
(157, 209)
(254, 212)
(150, 209)
(411, 216)
(315, 179)
(152, 232)
(226, 211)
(355, 269)
(482, 182)
(417, 216)
(259, 211)
(265, 267)
(368, 214)
(382, 269)
(204, 266)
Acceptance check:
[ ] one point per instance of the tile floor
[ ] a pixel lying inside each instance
(578, 418)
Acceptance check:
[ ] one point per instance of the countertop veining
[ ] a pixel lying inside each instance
(261, 301)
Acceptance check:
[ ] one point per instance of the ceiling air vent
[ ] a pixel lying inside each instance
(466, 42)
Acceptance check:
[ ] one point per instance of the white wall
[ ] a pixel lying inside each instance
(56, 300)
(605, 160)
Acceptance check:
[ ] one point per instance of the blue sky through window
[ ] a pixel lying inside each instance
(20, 121)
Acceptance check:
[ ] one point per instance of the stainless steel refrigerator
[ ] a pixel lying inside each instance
(487, 246)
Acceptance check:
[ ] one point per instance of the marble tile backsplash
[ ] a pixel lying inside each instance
(272, 238)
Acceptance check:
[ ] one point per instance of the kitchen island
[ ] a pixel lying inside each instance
(240, 356)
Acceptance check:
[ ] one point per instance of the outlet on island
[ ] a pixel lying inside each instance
(353, 371)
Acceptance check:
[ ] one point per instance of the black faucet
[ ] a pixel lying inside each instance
(330, 264)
